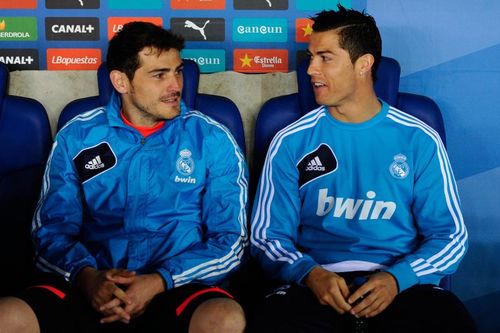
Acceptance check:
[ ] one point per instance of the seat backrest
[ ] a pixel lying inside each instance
(219, 108)
(25, 140)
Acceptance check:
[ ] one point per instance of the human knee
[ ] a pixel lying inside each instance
(218, 315)
(17, 316)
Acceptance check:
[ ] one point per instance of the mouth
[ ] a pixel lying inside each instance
(318, 84)
(172, 98)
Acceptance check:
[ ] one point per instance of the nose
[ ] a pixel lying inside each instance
(312, 69)
(176, 81)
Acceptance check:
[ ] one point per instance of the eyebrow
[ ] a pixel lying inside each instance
(309, 53)
(156, 70)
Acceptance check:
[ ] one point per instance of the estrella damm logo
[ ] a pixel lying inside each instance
(115, 24)
(73, 59)
(303, 30)
(72, 28)
(198, 4)
(209, 60)
(134, 4)
(20, 59)
(18, 4)
(322, 4)
(261, 4)
(73, 4)
(260, 60)
(260, 30)
(18, 29)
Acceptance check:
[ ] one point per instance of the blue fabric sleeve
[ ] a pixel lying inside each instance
(438, 218)
(223, 215)
(58, 218)
(276, 219)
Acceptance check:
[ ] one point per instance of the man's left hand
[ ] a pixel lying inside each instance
(140, 290)
(380, 290)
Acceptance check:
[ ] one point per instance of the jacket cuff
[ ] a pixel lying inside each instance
(77, 267)
(301, 269)
(167, 278)
(404, 275)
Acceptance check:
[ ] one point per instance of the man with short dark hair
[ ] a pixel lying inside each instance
(142, 211)
(357, 209)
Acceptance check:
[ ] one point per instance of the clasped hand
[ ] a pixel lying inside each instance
(119, 294)
(370, 299)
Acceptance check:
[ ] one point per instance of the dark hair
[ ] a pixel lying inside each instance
(124, 47)
(358, 33)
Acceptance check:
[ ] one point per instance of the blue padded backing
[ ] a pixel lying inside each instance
(424, 109)
(25, 140)
(224, 111)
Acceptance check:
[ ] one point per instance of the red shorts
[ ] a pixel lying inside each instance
(61, 307)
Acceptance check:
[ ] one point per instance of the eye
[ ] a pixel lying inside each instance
(325, 58)
(179, 71)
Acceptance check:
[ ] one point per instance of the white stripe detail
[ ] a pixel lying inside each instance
(85, 116)
(46, 266)
(441, 260)
(36, 224)
(261, 222)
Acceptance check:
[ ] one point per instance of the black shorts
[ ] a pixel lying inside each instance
(61, 307)
(421, 308)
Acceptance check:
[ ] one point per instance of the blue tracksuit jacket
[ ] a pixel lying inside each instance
(172, 203)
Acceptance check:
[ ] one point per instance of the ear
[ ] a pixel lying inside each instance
(120, 81)
(364, 64)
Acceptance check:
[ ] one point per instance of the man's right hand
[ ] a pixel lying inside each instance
(99, 289)
(329, 288)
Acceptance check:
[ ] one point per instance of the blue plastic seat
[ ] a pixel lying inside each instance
(280, 111)
(25, 140)
(219, 108)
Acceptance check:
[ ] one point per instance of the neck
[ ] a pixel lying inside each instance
(357, 111)
(139, 118)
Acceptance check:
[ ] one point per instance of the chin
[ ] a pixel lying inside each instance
(172, 113)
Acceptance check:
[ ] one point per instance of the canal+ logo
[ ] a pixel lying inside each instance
(72, 28)
(20, 59)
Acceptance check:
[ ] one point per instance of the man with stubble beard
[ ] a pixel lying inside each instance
(142, 212)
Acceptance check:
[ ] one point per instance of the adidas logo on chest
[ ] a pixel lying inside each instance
(93, 161)
(315, 165)
(94, 164)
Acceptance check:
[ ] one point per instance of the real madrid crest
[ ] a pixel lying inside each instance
(185, 164)
(399, 168)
